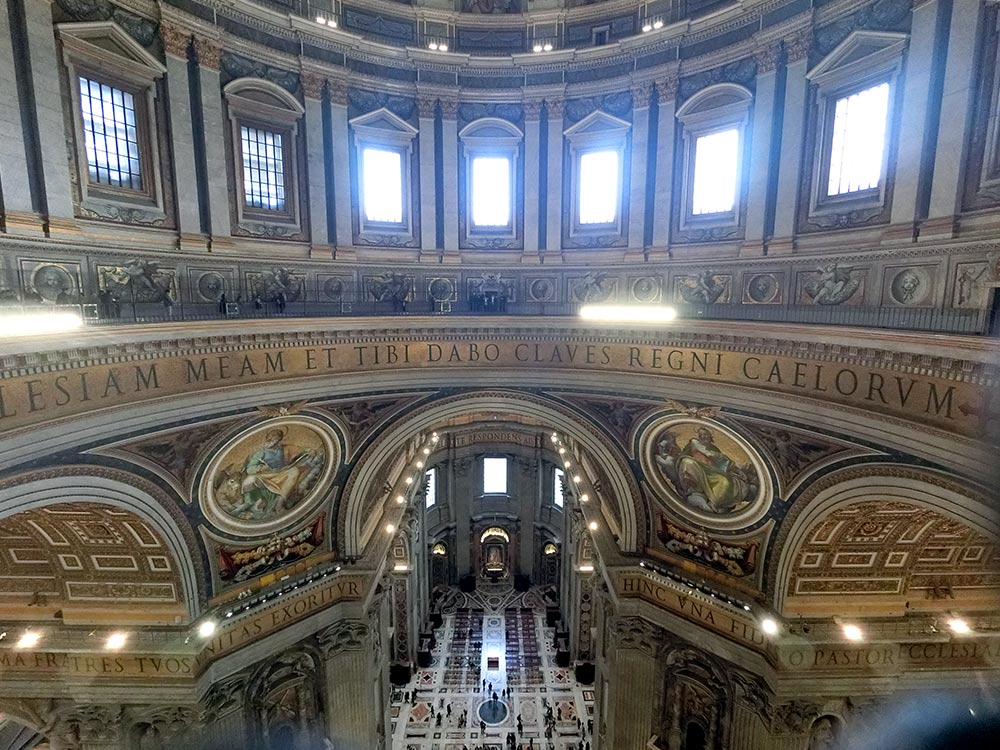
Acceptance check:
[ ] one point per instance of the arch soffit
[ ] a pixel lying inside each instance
(117, 489)
(356, 531)
(922, 488)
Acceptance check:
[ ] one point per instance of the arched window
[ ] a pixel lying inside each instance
(264, 121)
(490, 183)
(715, 127)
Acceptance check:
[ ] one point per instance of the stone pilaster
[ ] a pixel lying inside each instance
(553, 222)
(793, 127)
(634, 682)
(641, 94)
(426, 109)
(209, 56)
(21, 215)
(760, 151)
(337, 91)
(45, 70)
(351, 706)
(666, 90)
(957, 113)
(313, 86)
(449, 163)
(532, 169)
(177, 43)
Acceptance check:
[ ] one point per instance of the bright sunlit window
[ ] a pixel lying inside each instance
(491, 191)
(430, 488)
(558, 489)
(716, 158)
(494, 476)
(382, 184)
(859, 125)
(598, 192)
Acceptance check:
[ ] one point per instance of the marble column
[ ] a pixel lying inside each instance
(449, 163)
(637, 179)
(759, 182)
(312, 129)
(209, 55)
(792, 130)
(666, 90)
(337, 91)
(921, 60)
(553, 221)
(351, 707)
(49, 104)
(633, 682)
(957, 98)
(21, 216)
(176, 43)
(532, 169)
(428, 198)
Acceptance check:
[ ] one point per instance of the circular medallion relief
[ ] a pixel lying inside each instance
(269, 475)
(706, 471)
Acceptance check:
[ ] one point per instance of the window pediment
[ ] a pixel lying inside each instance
(383, 125)
(598, 124)
(105, 44)
(859, 55)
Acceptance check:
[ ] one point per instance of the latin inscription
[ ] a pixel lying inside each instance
(31, 399)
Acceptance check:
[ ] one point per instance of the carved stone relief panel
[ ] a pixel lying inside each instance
(910, 286)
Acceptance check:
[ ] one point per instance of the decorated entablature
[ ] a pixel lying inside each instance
(229, 468)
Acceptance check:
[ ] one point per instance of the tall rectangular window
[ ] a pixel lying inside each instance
(494, 476)
(598, 189)
(430, 488)
(382, 185)
(263, 169)
(491, 191)
(859, 125)
(558, 488)
(111, 135)
(716, 162)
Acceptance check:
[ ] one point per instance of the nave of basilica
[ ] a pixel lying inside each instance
(495, 374)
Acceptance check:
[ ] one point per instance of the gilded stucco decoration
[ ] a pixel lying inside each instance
(892, 551)
(85, 556)
(269, 475)
(705, 471)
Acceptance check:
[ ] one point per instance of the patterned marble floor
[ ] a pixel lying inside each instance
(493, 623)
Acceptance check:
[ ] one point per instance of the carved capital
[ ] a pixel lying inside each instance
(165, 723)
(636, 633)
(797, 47)
(532, 109)
(312, 85)
(794, 717)
(224, 697)
(347, 635)
(993, 267)
(86, 725)
(641, 92)
(176, 39)
(208, 52)
(449, 108)
(337, 91)
(426, 106)
(666, 87)
(766, 58)
(555, 108)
